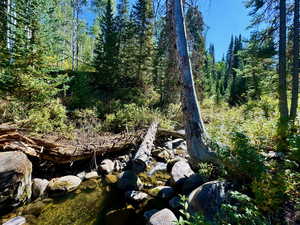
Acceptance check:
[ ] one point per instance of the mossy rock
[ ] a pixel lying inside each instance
(111, 179)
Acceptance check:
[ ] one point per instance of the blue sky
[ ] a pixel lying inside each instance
(223, 19)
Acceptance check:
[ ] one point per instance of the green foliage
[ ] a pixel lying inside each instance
(248, 162)
(131, 116)
(205, 171)
(188, 219)
(269, 190)
(294, 143)
(240, 209)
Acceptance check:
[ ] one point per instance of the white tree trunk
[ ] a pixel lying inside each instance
(143, 154)
(198, 143)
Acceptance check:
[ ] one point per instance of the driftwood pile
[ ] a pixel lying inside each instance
(60, 153)
(83, 146)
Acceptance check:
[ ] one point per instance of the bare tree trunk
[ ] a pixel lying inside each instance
(296, 63)
(283, 106)
(196, 136)
(143, 154)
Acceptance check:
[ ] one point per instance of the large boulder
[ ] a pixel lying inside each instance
(15, 179)
(39, 187)
(180, 172)
(64, 184)
(128, 180)
(163, 217)
(208, 198)
(191, 183)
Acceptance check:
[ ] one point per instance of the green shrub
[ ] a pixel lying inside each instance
(270, 191)
(51, 117)
(244, 161)
(188, 219)
(132, 116)
(239, 209)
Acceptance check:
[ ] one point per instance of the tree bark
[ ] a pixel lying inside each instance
(143, 154)
(283, 106)
(296, 62)
(198, 143)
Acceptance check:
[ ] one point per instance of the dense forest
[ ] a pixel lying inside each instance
(143, 75)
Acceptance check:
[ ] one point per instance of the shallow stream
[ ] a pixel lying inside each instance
(86, 206)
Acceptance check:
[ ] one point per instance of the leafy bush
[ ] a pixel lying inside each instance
(269, 191)
(132, 116)
(244, 160)
(188, 219)
(240, 209)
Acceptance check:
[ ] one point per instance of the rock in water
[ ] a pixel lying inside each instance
(136, 196)
(64, 184)
(39, 187)
(19, 220)
(164, 192)
(208, 199)
(163, 217)
(91, 175)
(180, 172)
(107, 166)
(15, 179)
(128, 180)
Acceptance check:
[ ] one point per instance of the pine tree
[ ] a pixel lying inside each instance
(106, 51)
(143, 18)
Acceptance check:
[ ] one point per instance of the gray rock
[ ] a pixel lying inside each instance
(19, 220)
(64, 184)
(174, 143)
(208, 199)
(91, 175)
(149, 213)
(165, 155)
(182, 131)
(158, 167)
(136, 196)
(192, 183)
(39, 187)
(119, 165)
(175, 202)
(128, 180)
(180, 172)
(81, 175)
(163, 217)
(15, 179)
(107, 166)
(164, 192)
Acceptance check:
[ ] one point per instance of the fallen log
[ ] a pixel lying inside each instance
(142, 156)
(11, 140)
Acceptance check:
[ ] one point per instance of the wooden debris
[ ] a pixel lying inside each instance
(61, 153)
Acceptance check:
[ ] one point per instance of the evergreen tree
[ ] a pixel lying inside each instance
(106, 51)
(143, 18)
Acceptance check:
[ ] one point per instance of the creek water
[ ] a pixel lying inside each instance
(86, 206)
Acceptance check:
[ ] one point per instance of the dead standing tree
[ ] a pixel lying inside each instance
(198, 142)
